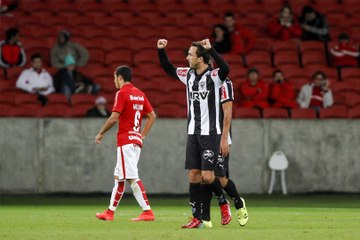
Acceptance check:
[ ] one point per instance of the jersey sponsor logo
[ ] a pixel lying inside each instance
(197, 96)
(132, 137)
(182, 72)
(208, 154)
(138, 107)
(214, 73)
(136, 98)
(223, 93)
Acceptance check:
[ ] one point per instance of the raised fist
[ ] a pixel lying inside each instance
(206, 44)
(161, 43)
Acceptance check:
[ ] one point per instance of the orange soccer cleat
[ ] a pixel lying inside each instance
(225, 214)
(107, 215)
(193, 223)
(145, 216)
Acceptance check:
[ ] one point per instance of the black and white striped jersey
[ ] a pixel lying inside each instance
(226, 95)
(202, 91)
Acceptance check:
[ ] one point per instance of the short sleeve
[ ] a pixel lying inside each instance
(215, 77)
(182, 74)
(227, 92)
(119, 102)
(147, 107)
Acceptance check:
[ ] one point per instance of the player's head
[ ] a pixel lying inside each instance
(197, 56)
(229, 21)
(36, 61)
(122, 76)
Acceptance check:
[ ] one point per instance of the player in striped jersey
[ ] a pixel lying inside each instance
(222, 167)
(204, 130)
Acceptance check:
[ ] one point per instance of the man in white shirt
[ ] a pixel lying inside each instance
(36, 79)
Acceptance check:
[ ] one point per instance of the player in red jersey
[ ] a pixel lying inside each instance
(130, 106)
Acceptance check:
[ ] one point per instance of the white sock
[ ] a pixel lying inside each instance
(140, 194)
(117, 193)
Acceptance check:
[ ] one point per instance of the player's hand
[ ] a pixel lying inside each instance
(98, 138)
(224, 147)
(206, 44)
(161, 43)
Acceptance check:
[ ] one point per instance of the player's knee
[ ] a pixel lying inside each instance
(223, 181)
(208, 177)
(194, 175)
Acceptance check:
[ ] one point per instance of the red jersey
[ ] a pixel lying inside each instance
(316, 97)
(132, 105)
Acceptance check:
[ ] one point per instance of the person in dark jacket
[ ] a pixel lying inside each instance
(99, 110)
(221, 39)
(314, 25)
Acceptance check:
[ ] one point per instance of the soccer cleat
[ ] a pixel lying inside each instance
(145, 216)
(193, 223)
(207, 224)
(225, 213)
(243, 216)
(107, 215)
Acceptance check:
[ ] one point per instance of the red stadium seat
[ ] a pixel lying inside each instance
(51, 112)
(338, 87)
(96, 56)
(354, 112)
(76, 111)
(303, 113)
(275, 113)
(26, 98)
(354, 100)
(295, 72)
(23, 112)
(286, 59)
(119, 57)
(233, 59)
(331, 73)
(314, 58)
(350, 73)
(170, 110)
(6, 85)
(146, 56)
(82, 99)
(334, 112)
(246, 113)
(258, 58)
(263, 45)
(4, 109)
(285, 46)
(312, 46)
(57, 99)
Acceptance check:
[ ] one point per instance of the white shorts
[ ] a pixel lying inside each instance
(127, 160)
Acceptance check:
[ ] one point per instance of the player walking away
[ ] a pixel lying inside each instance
(204, 131)
(222, 167)
(130, 106)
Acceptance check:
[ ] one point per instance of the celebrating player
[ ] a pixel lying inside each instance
(204, 131)
(222, 166)
(130, 106)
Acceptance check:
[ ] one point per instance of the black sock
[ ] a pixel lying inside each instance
(231, 190)
(218, 191)
(206, 201)
(195, 199)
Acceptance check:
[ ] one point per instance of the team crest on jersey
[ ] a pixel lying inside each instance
(202, 85)
(182, 72)
(208, 154)
(215, 72)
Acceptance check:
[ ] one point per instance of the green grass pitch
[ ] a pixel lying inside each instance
(314, 217)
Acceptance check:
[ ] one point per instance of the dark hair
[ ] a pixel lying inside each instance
(125, 72)
(11, 32)
(66, 34)
(343, 36)
(229, 14)
(307, 9)
(277, 71)
(201, 52)
(253, 69)
(35, 56)
(318, 73)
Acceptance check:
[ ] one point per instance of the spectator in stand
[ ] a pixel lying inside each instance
(64, 47)
(242, 39)
(281, 92)
(345, 54)
(221, 39)
(12, 53)
(254, 92)
(285, 27)
(36, 79)
(314, 25)
(69, 81)
(6, 6)
(99, 110)
(316, 94)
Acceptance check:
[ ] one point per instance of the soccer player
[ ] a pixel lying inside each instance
(222, 167)
(204, 131)
(130, 106)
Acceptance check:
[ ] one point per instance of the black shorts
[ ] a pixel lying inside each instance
(202, 152)
(222, 166)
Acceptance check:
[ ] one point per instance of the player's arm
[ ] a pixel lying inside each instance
(224, 68)
(224, 144)
(164, 60)
(151, 116)
(110, 122)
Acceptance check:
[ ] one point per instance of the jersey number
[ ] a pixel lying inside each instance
(137, 121)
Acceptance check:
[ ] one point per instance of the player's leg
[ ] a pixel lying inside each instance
(131, 153)
(209, 152)
(118, 189)
(193, 165)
